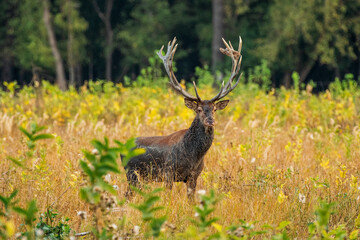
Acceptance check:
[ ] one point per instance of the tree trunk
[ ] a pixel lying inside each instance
(78, 81)
(304, 72)
(60, 73)
(70, 43)
(218, 32)
(109, 51)
(109, 38)
(6, 73)
(286, 81)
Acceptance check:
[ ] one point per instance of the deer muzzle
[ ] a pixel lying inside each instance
(209, 122)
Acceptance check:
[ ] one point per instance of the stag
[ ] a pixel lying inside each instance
(179, 157)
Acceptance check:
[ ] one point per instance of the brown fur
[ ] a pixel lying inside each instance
(161, 140)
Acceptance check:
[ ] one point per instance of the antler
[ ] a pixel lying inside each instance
(236, 62)
(167, 60)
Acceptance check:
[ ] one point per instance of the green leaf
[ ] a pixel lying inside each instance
(282, 225)
(19, 210)
(87, 170)
(43, 136)
(23, 130)
(33, 127)
(13, 194)
(156, 190)
(98, 145)
(39, 128)
(15, 161)
(4, 200)
(105, 186)
(88, 195)
(89, 156)
(107, 158)
(105, 168)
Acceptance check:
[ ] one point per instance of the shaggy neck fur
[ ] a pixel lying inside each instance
(198, 139)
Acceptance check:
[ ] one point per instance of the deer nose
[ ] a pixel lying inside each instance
(209, 122)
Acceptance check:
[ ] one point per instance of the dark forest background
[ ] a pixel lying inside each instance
(71, 41)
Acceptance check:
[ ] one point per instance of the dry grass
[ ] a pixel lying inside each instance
(267, 150)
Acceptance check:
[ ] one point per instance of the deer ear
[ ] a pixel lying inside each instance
(190, 104)
(221, 105)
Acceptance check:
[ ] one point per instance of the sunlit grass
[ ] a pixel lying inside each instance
(275, 155)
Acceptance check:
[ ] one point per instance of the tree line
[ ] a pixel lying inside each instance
(70, 41)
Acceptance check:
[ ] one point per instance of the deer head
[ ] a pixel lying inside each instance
(204, 109)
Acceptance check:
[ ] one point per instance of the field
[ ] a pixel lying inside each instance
(284, 163)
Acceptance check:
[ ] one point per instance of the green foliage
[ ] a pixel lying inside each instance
(261, 75)
(52, 227)
(206, 207)
(320, 228)
(31, 40)
(152, 75)
(33, 135)
(147, 209)
(69, 20)
(148, 18)
(296, 79)
(100, 162)
(345, 87)
(29, 216)
(204, 76)
(313, 30)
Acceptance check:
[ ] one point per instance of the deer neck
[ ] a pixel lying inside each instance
(198, 138)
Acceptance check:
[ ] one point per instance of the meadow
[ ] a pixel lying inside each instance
(284, 163)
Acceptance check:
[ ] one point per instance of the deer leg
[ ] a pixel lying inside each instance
(169, 173)
(169, 179)
(191, 187)
(133, 180)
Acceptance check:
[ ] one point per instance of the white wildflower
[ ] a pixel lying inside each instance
(201, 192)
(311, 136)
(189, 191)
(253, 160)
(116, 187)
(107, 178)
(136, 230)
(196, 214)
(95, 151)
(113, 227)
(302, 198)
(39, 233)
(81, 214)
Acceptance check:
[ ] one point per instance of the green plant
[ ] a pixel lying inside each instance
(7, 228)
(153, 75)
(33, 136)
(100, 162)
(203, 211)
(147, 209)
(52, 227)
(320, 228)
(28, 214)
(261, 74)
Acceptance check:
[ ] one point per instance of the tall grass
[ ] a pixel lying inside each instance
(278, 156)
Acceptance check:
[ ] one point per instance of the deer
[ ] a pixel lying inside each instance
(179, 157)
